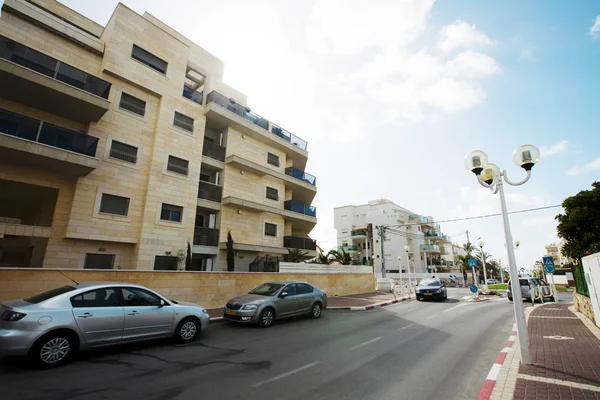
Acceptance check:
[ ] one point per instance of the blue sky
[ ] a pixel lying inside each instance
(391, 95)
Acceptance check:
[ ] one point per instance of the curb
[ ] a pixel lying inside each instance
(370, 306)
(490, 380)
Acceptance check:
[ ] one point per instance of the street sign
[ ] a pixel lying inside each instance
(472, 263)
(473, 289)
(549, 265)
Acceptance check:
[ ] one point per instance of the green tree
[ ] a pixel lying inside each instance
(469, 248)
(580, 223)
(323, 258)
(188, 257)
(340, 255)
(296, 255)
(230, 253)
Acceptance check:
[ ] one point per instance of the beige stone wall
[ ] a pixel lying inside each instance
(583, 304)
(248, 227)
(209, 289)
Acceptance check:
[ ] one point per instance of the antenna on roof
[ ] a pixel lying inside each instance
(68, 277)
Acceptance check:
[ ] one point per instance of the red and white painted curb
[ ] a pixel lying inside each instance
(370, 306)
(490, 381)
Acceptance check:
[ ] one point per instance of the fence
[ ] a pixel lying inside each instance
(300, 268)
(579, 276)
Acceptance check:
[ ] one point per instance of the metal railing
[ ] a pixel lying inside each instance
(43, 132)
(192, 94)
(206, 236)
(298, 242)
(213, 150)
(296, 206)
(429, 247)
(49, 66)
(209, 191)
(358, 232)
(303, 176)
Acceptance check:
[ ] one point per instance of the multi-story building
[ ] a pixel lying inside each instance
(358, 234)
(555, 251)
(121, 144)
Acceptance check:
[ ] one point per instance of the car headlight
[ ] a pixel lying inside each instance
(439, 290)
(205, 311)
(12, 316)
(418, 290)
(249, 307)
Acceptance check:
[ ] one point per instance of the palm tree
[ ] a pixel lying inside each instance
(468, 247)
(322, 258)
(341, 256)
(296, 255)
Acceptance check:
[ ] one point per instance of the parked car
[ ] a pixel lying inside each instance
(431, 288)
(275, 300)
(492, 281)
(527, 284)
(51, 326)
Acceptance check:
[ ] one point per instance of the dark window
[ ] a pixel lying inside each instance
(204, 177)
(105, 297)
(273, 159)
(134, 297)
(137, 53)
(99, 261)
(111, 204)
(270, 229)
(183, 121)
(123, 151)
(272, 194)
(38, 298)
(171, 213)
(290, 289)
(133, 104)
(209, 139)
(165, 263)
(303, 288)
(178, 165)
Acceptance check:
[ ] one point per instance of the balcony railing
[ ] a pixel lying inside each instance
(296, 206)
(429, 247)
(192, 94)
(433, 234)
(350, 247)
(206, 236)
(213, 150)
(244, 112)
(49, 66)
(303, 176)
(297, 242)
(43, 132)
(209, 191)
(418, 218)
(358, 232)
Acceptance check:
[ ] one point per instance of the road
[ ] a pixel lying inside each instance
(411, 350)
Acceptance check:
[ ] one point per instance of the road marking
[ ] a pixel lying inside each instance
(457, 306)
(432, 317)
(551, 317)
(365, 343)
(404, 327)
(493, 375)
(275, 378)
(577, 385)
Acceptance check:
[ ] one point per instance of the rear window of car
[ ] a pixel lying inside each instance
(38, 298)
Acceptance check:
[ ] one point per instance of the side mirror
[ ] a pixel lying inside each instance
(162, 303)
(283, 294)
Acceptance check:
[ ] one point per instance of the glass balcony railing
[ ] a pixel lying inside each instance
(296, 206)
(303, 176)
(213, 150)
(206, 236)
(418, 218)
(193, 95)
(46, 65)
(209, 191)
(429, 247)
(43, 132)
(298, 242)
(244, 112)
(358, 232)
(350, 247)
(433, 234)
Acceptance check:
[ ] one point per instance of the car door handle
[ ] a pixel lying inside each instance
(85, 315)
(133, 313)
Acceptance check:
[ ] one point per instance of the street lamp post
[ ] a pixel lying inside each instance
(485, 286)
(407, 250)
(490, 176)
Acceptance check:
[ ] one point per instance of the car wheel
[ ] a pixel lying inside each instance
(316, 310)
(54, 349)
(419, 298)
(510, 299)
(187, 330)
(266, 318)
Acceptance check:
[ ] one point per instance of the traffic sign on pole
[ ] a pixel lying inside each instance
(473, 289)
(472, 263)
(549, 265)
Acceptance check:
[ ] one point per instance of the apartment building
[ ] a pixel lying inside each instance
(121, 144)
(357, 234)
(555, 251)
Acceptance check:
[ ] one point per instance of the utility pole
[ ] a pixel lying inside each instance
(472, 269)
(382, 241)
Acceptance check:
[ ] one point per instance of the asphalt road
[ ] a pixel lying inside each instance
(411, 350)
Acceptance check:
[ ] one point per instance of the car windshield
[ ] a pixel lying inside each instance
(266, 289)
(430, 282)
(38, 298)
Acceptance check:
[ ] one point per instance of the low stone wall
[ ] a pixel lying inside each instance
(208, 289)
(583, 304)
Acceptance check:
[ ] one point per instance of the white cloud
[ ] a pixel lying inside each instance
(595, 29)
(555, 148)
(472, 64)
(461, 34)
(589, 167)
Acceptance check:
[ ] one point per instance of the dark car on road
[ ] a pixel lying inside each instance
(431, 288)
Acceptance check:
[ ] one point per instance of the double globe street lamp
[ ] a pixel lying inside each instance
(490, 176)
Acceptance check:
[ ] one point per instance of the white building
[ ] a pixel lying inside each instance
(357, 233)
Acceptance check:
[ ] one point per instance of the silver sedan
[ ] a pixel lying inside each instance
(275, 300)
(51, 326)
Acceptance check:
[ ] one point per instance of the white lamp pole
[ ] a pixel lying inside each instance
(490, 176)
(410, 288)
(485, 286)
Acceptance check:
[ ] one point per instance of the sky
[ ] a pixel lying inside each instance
(392, 94)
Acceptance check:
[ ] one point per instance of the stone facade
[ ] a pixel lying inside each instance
(583, 304)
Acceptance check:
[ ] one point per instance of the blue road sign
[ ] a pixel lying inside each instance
(549, 264)
(473, 289)
(472, 263)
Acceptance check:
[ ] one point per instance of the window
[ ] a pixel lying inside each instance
(204, 177)
(290, 290)
(273, 159)
(270, 229)
(38, 298)
(123, 152)
(272, 193)
(133, 104)
(303, 288)
(105, 297)
(171, 213)
(183, 121)
(165, 263)
(111, 204)
(133, 297)
(137, 53)
(99, 261)
(178, 165)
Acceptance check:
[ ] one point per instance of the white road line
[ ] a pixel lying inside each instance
(365, 343)
(404, 327)
(457, 306)
(432, 317)
(275, 378)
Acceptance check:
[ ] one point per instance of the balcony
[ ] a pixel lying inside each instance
(30, 77)
(301, 175)
(209, 191)
(297, 242)
(351, 247)
(296, 206)
(213, 151)
(192, 94)
(358, 233)
(36, 143)
(429, 248)
(206, 237)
